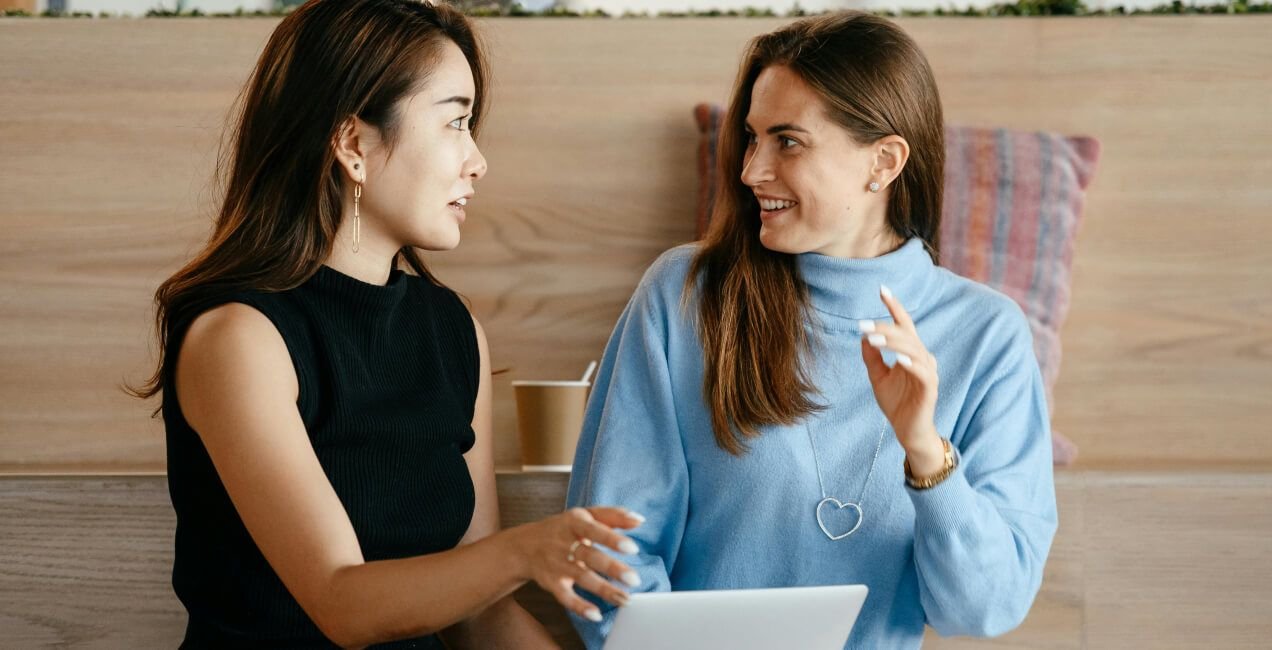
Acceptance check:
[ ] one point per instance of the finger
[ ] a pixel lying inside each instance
(875, 367)
(901, 345)
(924, 372)
(571, 601)
(616, 517)
(588, 580)
(603, 564)
(899, 314)
(584, 526)
(897, 339)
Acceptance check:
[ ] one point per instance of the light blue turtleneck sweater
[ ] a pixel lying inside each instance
(965, 557)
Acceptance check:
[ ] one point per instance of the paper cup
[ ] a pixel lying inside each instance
(549, 419)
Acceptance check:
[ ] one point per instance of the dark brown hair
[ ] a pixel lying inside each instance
(752, 303)
(326, 61)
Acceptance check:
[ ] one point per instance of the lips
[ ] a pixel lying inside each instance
(772, 206)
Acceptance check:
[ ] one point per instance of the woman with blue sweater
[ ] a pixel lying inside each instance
(805, 397)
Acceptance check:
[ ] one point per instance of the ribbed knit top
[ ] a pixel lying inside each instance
(388, 377)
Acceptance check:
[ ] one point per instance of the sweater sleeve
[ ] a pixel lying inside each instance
(630, 452)
(982, 536)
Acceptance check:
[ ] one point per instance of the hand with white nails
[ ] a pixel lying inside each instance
(561, 551)
(906, 392)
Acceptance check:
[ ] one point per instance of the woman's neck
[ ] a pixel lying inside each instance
(369, 264)
(864, 245)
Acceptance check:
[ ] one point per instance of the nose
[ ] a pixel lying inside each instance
(475, 165)
(757, 167)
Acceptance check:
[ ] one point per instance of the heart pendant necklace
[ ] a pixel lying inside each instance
(838, 505)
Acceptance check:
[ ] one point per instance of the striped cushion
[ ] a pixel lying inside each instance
(1013, 203)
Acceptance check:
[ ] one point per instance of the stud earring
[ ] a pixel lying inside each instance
(874, 187)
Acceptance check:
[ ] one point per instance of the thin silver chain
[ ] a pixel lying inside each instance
(817, 462)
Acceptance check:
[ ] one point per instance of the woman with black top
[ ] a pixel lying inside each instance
(328, 411)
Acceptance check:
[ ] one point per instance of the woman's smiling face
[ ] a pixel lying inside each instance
(809, 176)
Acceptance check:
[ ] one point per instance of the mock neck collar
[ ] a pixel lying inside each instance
(359, 293)
(849, 288)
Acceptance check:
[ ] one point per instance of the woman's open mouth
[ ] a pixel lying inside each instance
(457, 207)
(770, 208)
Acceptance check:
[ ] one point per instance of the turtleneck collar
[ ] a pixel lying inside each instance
(357, 292)
(849, 288)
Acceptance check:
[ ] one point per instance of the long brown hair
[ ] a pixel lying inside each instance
(752, 302)
(326, 61)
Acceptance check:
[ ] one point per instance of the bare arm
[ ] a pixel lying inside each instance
(238, 390)
(505, 624)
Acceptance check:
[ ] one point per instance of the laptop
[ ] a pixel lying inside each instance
(810, 618)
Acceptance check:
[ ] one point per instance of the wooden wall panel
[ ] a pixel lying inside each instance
(108, 132)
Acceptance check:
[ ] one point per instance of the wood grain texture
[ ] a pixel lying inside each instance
(1147, 560)
(108, 152)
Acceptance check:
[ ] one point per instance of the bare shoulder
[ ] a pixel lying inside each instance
(230, 354)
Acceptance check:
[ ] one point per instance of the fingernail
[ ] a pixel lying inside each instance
(593, 615)
(866, 325)
(885, 291)
(631, 579)
(904, 360)
(877, 340)
(628, 546)
(637, 516)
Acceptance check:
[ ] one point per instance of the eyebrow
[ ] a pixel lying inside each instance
(778, 128)
(458, 99)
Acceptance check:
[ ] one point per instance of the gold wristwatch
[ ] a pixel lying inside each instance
(925, 482)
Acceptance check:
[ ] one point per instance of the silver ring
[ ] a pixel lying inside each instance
(569, 557)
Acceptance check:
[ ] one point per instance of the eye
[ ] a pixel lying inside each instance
(458, 123)
(788, 143)
(750, 138)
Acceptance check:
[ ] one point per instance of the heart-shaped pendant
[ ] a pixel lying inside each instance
(839, 505)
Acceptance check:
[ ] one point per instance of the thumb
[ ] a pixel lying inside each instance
(875, 366)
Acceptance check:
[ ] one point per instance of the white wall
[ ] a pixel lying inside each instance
(140, 7)
(782, 7)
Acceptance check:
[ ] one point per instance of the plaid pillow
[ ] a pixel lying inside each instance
(1013, 204)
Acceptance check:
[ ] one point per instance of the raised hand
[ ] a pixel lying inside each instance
(906, 392)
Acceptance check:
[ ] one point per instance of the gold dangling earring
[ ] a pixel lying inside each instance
(357, 217)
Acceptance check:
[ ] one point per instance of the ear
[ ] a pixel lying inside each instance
(350, 146)
(891, 153)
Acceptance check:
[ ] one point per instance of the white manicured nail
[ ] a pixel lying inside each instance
(877, 340)
(904, 359)
(866, 325)
(885, 291)
(594, 615)
(637, 516)
(631, 579)
(628, 546)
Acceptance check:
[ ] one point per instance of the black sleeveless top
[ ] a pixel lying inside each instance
(388, 378)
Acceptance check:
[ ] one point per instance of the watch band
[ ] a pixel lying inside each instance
(925, 482)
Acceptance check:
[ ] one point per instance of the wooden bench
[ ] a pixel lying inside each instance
(1141, 560)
